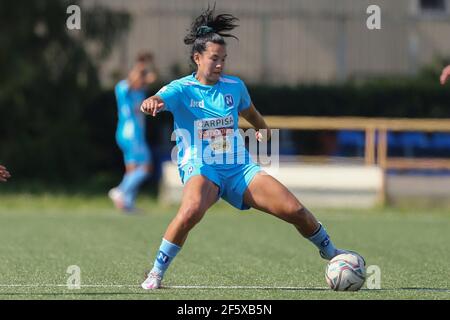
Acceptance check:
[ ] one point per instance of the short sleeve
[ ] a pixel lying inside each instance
(171, 95)
(245, 101)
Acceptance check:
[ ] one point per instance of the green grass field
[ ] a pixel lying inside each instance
(230, 254)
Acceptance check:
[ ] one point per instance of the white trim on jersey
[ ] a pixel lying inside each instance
(227, 80)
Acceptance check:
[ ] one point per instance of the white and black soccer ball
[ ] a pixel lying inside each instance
(346, 272)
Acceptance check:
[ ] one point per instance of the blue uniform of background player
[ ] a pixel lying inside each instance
(212, 159)
(130, 133)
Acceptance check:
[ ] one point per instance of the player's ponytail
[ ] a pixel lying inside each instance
(209, 28)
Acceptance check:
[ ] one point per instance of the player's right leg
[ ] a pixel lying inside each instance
(135, 176)
(121, 195)
(117, 194)
(199, 194)
(138, 164)
(138, 161)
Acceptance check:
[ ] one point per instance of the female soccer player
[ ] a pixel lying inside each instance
(205, 107)
(4, 174)
(130, 133)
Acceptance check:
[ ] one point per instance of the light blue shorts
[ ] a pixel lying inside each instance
(135, 151)
(231, 179)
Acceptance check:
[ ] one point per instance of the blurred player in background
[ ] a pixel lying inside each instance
(206, 106)
(445, 74)
(4, 174)
(130, 133)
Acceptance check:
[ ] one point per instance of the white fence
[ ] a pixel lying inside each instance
(348, 186)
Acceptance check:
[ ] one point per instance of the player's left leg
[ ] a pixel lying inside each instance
(267, 194)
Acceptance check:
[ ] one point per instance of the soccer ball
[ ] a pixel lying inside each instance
(346, 272)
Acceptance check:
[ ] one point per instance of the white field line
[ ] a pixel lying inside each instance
(231, 287)
(167, 287)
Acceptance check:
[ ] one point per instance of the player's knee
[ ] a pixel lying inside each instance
(148, 168)
(302, 212)
(295, 212)
(190, 215)
(293, 207)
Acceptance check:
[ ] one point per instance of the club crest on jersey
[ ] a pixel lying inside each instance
(229, 100)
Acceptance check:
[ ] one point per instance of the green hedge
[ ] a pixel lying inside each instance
(409, 99)
(76, 143)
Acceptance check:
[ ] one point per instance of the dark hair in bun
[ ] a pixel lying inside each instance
(209, 28)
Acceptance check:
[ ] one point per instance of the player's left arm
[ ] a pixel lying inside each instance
(256, 120)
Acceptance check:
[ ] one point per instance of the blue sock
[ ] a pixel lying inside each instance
(130, 184)
(125, 181)
(167, 252)
(322, 240)
(130, 198)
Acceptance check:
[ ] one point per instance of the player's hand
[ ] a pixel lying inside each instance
(445, 74)
(258, 136)
(152, 105)
(4, 174)
(263, 135)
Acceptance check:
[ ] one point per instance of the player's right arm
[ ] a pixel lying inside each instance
(152, 105)
(168, 98)
(445, 75)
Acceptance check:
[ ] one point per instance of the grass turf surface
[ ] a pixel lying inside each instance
(266, 258)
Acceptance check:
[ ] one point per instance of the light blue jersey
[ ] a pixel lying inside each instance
(206, 126)
(206, 119)
(130, 133)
